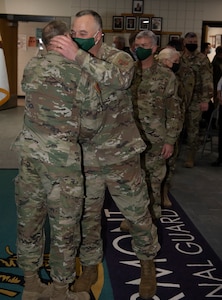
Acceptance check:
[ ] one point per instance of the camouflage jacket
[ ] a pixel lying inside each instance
(186, 81)
(58, 95)
(156, 104)
(118, 139)
(185, 76)
(203, 72)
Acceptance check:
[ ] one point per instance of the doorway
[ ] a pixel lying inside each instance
(11, 42)
(212, 33)
(8, 31)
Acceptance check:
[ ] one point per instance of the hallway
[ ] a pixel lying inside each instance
(197, 190)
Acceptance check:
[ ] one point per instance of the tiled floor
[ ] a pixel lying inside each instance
(198, 190)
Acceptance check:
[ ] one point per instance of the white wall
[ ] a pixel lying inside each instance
(212, 32)
(178, 15)
(25, 53)
(40, 7)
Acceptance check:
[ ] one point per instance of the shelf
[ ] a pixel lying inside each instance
(138, 15)
(129, 31)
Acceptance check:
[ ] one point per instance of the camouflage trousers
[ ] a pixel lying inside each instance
(126, 184)
(155, 167)
(43, 190)
(192, 125)
(171, 165)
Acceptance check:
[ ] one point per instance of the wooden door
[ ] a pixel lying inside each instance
(9, 33)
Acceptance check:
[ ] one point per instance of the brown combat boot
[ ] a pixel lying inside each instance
(189, 163)
(88, 277)
(125, 226)
(147, 288)
(34, 289)
(165, 199)
(60, 291)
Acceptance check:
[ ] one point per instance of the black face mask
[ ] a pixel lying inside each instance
(175, 67)
(191, 47)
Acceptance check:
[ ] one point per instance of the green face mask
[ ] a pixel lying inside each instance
(143, 53)
(85, 44)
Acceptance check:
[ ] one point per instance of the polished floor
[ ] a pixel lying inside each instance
(197, 190)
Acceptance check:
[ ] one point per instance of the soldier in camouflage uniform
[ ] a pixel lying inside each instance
(202, 93)
(112, 159)
(50, 179)
(185, 77)
(157, 112)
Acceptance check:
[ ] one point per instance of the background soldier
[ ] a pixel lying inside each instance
(157, 113)
(202, 93)
(185, 78)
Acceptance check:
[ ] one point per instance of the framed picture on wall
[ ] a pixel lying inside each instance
(144, 24)
(137, 7)
(158, 40)
(174, 37)
(103, 37)
(130, 23)
(213, 41)
(156, 24)
(118, 23)
(218, 39)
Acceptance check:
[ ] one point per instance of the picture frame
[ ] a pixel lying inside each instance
(218, 40)
(144, 23)
(130, 23)
(213, 41)
(156, 24)
(103, 37)
(174, 37)
(137, 6)
(118, 23)
(158, 40)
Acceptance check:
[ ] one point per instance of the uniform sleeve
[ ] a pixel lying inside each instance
(116, 71)
(206, 72)
(91, 113)
(27, 77)
(219, 84)
(173, 111)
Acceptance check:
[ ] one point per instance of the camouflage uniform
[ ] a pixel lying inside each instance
(50, 179)
(157, 113)
(186, 81)
(112, 159)
(202, 92)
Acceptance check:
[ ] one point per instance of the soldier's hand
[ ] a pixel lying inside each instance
(204, 106)
(64, 45)
(167, 151)
(219, 97)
